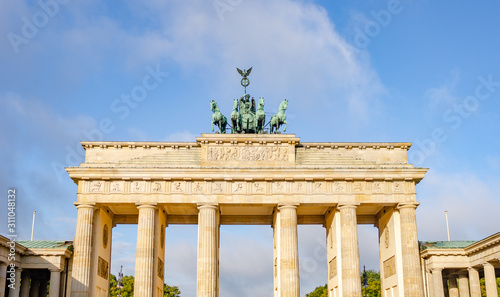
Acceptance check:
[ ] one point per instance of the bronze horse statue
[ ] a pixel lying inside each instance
(218, 118)
(280, 118)
(260, 116)
(235, 118)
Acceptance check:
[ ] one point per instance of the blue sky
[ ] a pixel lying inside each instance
(425, 72)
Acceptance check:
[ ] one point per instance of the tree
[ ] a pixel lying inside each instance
(319, 292)
(483, 287)
(373, 289)
(128, 287)
(169, 291)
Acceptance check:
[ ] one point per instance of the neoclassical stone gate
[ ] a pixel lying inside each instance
(236, 179)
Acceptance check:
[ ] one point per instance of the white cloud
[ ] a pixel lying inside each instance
(442, 97)
(293, 46)
(472, 206)
(32, 138)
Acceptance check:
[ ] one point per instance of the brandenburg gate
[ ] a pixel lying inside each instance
(237, 179)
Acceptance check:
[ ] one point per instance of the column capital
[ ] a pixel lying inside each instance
(487, 263)
(287, 205)
(146, 205)
(208, 205)
(348, 205)
(413, 205)
(471, 268)
(436, 269)
(84, 205)
(55, 269)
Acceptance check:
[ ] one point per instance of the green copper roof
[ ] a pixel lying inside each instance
(46, 244)
(444, 244)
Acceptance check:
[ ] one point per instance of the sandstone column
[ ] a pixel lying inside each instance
(490, 280)
(289, 252)
(437, 281)
(144, 257)
(351, 284)
(463, 284)
(82, 257)
(55, 279)
(430, 284)
(475, 286)
(25, 284)
(453, 286)
(413, 281)
(208, 251)
(3, 278)
(15, 292)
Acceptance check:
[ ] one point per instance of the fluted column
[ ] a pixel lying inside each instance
(82, 257)
(144, 257)
(437, 281)
(475, 285)
(288, 251)
(3, 278)
(463, 284)
(412, 273)
(208, 251)
(15, 292)
(490, 280)
(453, 288)
(351, 284)
(55, 280)
(25, 284)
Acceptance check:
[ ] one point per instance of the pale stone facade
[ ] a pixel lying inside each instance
(27, 266)
(271, 179)
(455, 268)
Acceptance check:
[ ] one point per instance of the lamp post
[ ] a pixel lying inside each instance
(365, 281)
(119, 283)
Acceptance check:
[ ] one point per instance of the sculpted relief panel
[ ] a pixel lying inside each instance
(297, 187)
(264, 153)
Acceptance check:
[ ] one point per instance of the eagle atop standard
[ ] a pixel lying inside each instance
(247, 117)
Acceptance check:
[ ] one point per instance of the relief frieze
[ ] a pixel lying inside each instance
(263, 153)
(258, 187)
(239, 188)
(116, 187)
(97, 186)
(339, 187)
(177, 187)
(137, 187)
(198, 187)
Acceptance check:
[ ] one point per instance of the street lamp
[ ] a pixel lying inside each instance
(365, 281)
(119, 283)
